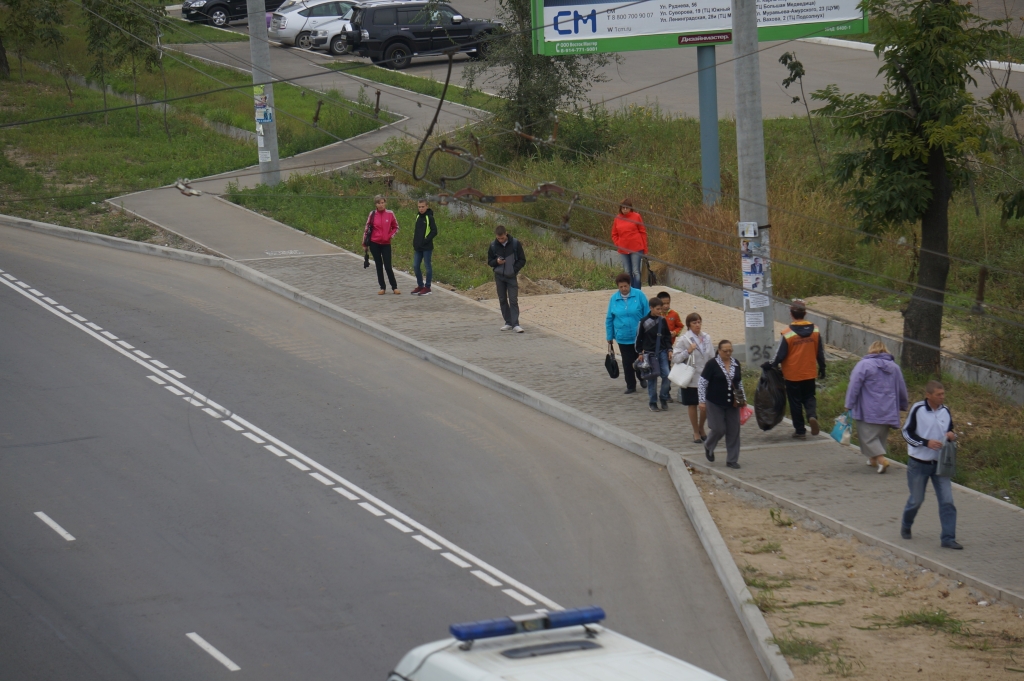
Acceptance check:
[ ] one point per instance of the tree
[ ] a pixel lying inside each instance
(19, 27)
(796, 75)
(919, 136)
(533, 87)
(50, 31)
(5, 66)
(99, 36)
(134, 41)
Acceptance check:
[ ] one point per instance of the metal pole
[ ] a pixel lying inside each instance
(707, 90)
(757, 307)
(266, 126)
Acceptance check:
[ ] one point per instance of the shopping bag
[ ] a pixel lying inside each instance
(746, 411)
(843, 428)
(611, 365)
(682, 374)
(770, 398)
(946, 467)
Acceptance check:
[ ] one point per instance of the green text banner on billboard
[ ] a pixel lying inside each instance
(581, 26)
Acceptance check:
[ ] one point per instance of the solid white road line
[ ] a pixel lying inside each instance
(174, 390)
(156, 379)
(426, 542)
(298, 464)
(485, 578)
(277, 451)
(455, 559)
(372, 509)
(320, 478)
(250, 436)
(174, 373)
(233, 426)
(340, 490)
(518, 596)
(56, 528)
(214, 653)
(394, 523)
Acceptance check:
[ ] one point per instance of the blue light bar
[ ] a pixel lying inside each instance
(505, 626)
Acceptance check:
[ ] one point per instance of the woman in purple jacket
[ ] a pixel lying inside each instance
(876, 396)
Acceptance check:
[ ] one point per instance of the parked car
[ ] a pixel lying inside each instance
(332, 36)
(395, 32)
(294, 25)
(219, 12)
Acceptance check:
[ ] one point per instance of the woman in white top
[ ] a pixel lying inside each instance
(693, 342)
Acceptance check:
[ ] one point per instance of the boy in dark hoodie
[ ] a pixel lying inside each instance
(655, 340)
(423, 246)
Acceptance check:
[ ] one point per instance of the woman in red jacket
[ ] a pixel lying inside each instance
(630, 236)
(381, 226)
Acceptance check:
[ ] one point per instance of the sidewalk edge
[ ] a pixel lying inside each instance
(774, 664)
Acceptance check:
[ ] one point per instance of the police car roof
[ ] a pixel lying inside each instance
(614, 658)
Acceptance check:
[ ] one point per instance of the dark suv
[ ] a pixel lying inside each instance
(395, 32)
(220, 12)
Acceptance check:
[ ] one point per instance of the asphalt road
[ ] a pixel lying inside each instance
(183, 524)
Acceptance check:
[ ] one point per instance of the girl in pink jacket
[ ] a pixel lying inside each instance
(381, 226)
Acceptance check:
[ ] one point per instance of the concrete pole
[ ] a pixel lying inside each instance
(760, 322)
(707, 90)
(266, 117)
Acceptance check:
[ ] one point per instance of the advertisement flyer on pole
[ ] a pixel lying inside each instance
(755, 274)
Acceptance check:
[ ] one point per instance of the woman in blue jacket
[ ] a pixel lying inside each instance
(625, 310)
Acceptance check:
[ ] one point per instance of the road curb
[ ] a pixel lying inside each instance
(774, 664)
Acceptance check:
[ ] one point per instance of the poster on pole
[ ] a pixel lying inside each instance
(582, 26)
(755, 275)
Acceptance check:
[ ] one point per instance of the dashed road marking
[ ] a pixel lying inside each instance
(396, 523)
(298, 464)
(214, 653)
(485, 578)
(54, 526)
(426, 542)
(317, 476)
(455, 559)
(342, 491)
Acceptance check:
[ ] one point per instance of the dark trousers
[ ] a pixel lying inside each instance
(423, 257)
(724, 422)
(652, 382)
(918, 475)
(801, 398)
(629, 356)
(382, 259)
(508, 298)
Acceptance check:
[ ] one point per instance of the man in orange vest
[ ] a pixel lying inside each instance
(802, 357)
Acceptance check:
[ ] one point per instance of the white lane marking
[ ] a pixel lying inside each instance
(109, 335)
(63, 309)
(125, 345)
(21, 284)
(275, 450)
(320, 478)
(518, 596)
(174, 390)
(94, 327)
(8, 276)
(233, 426)
(193, 402)
(141, 354)
(214, 653)
(298, 464)
(455, 559)
(79, 317)
(485, 578)
(54, 526)
(211, 412)
(159, 365)
(156, 379)
(372, 509)
(174, 373)
(340, 490)
(393, 523)
(51, 301)
(250, 436)
(34, 292)
(426, 542)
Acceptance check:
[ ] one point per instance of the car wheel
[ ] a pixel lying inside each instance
(398, 56)
(218, 17)
(481, 49)
(338, 46)
(302, 41)
(376, 59)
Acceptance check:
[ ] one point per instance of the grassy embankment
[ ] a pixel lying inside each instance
(424, 86)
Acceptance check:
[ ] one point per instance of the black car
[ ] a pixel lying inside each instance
(220, 12)
(395, 32)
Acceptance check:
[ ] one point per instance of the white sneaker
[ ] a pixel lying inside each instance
(507, 327)
(518, 329)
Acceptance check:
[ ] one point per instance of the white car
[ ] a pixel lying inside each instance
(294, 22)
(331, 36)
(562, 645)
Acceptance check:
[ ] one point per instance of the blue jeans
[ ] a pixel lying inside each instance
(652, 382)
(631, 265)
(422, 257)
(917, 479)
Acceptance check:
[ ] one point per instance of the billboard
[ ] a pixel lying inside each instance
(582, 26)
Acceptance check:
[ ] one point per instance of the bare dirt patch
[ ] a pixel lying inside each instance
(887, 322)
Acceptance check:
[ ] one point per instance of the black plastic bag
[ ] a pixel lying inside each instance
(611, 365)
(366, 258)
(770, 397)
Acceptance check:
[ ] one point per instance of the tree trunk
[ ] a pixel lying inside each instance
(922, 320)
(103, 84)
(135, 93)
(5, 66)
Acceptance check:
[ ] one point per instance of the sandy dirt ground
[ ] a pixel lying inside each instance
(840, 608)
(888, 322)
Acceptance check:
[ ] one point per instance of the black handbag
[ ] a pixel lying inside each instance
(652, 278)
(611, 365)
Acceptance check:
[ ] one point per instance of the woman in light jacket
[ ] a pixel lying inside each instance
(876, 396)
(720, 392)
(630, 236)
(381, 227)
(625, 310)
(693, 342)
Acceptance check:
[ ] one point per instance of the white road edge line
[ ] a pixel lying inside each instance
(214, 653)
(54, 526)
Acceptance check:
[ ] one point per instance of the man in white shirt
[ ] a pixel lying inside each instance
(928, 426)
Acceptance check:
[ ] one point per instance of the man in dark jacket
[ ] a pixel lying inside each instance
(654, 339)
(506, 258)
(801, 355)
(423, 246)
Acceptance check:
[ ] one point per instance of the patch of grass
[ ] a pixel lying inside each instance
(424, 86)
(767, 582)
(840, 666)
(804, 604)
(765, 600)
(940, 620)
(797, 648)
(767, 547)
(180, 32)
(778, 518)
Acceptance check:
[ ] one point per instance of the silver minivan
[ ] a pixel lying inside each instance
(294, 22)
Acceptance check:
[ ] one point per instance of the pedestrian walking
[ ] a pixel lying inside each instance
(506, 257)
(721, 395)
(626, 308)
(423, 234)
(654, 340)
(696, 344)
(801, 355)
(630, 237)
(928, 427)
(876, 396)
(381, 227)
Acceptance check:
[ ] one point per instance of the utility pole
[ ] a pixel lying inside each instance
(707, 92)
(755, 251)
(263, 95)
